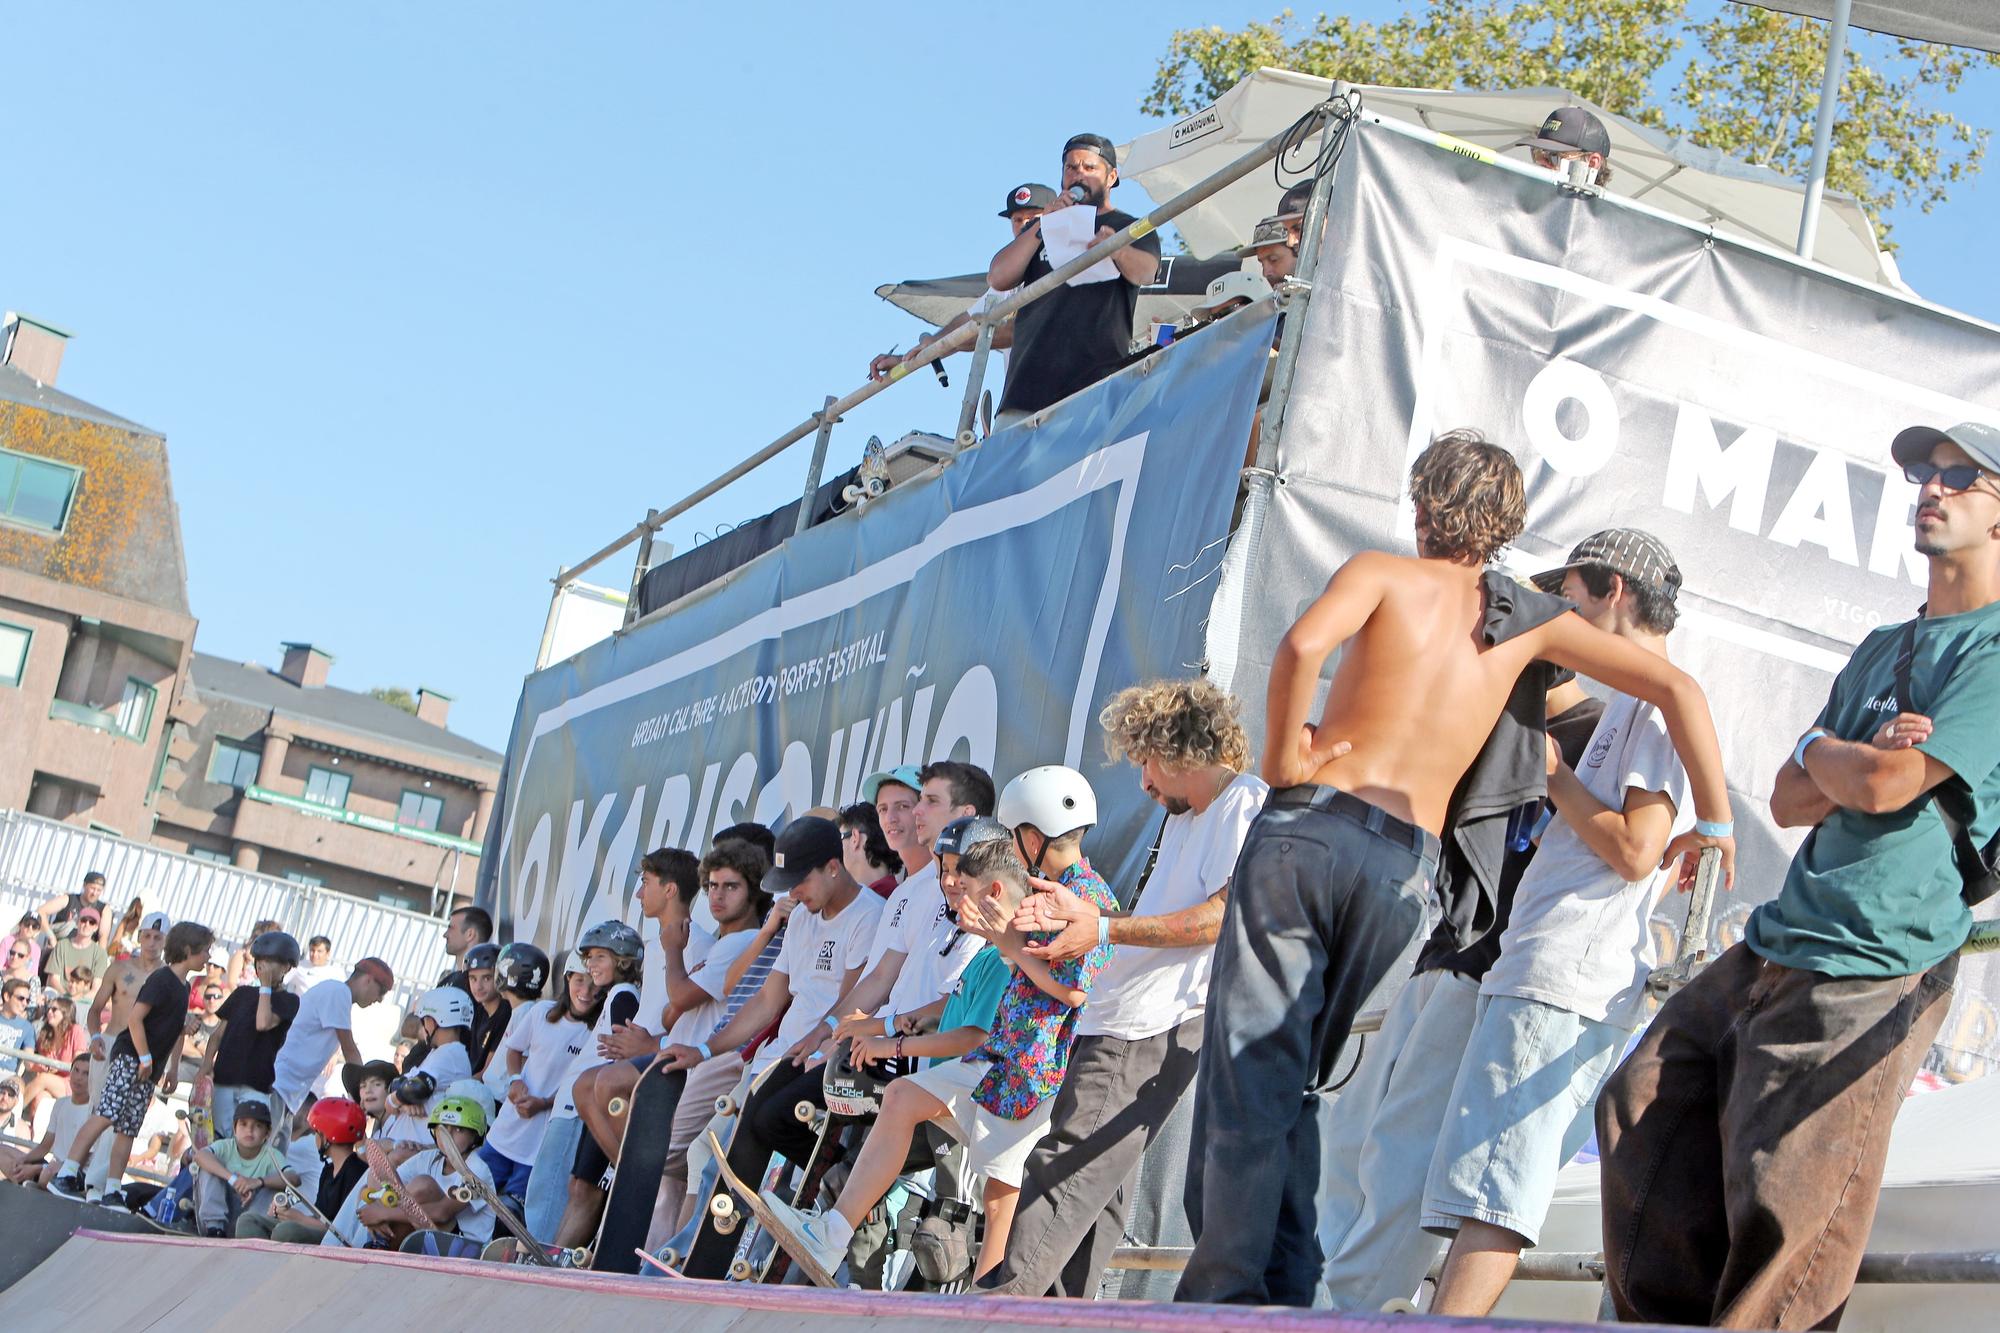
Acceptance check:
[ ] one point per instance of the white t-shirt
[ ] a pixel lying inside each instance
(707, 961)
(550, 1048)
(446, 1065)
(588, 1058)
(901, 911)
(927, 973)
(1579, 938)
(324, 1012)
(1143, 992)
(303, 978)
(65, 1119)
(474, 1221)
(816, 958)
(652, 978)
(997, 356)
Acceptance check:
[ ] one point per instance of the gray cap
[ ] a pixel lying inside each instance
(1569, 129)
(1638, 557)
(1979, 440)
(1271, 231)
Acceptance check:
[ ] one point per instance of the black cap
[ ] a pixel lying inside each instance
(1029, 194)
(1638, 557)
(1980, 441)
(806, 844)
(1097, 144)
(94, 877)
(1293, 203)
(252, 1109)
(352, 1075)
(1570, 129)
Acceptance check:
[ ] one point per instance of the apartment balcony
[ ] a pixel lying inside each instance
(338, 837)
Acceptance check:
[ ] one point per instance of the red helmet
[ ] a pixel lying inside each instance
(339, 1119)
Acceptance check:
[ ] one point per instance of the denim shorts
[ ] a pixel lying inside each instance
(1521, 1108)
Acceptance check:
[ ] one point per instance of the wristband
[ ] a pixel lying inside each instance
(1799, 754)
(706, 1053)
(1715, 828)
(663, 1042)
(263, 990)
(1104, 930)
(145, 1059)
(833, 1020)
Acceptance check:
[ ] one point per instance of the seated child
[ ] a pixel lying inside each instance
(337, 1124)
(232, 1174)
(444, 1017)
(427, 1182)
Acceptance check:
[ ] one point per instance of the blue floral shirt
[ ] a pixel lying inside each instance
(1032, 1031)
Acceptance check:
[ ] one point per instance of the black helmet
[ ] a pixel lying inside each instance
(619, 938)
(961, 835)
(482, 956)
(522, 970)
(276, 944)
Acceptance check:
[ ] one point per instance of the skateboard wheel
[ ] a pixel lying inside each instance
(739, 1270)
(670, 1257)
(725, 1105)
(726, 1225)
(462, 1193)
(805, 1111)
(721, 1206)
(578, 1256)
(1400, 1305)
(616, 1106)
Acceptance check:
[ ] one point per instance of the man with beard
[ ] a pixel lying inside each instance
(1077, 334)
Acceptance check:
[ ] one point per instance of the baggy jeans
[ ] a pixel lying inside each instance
(1744, 1138)
(1328, 893)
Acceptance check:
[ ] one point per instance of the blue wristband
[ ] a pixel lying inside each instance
(1710, 828)
(706, 1053)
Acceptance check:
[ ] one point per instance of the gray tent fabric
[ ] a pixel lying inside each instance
(1969, 23)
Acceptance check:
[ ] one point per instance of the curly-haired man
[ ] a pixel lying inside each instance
(1139, 1038)
(1335, 878)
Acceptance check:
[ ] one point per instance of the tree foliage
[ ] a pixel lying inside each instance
(1739, 79)
(396, 697)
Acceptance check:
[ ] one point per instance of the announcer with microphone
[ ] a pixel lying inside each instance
(1081, 332)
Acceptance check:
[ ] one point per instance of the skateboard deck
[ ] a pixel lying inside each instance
(299, 1203)
(773, 1226)
(717, 1238)
(642, 1159)
(508, 1250)
(387, 1187)
(476, 1184)
(440, 1245)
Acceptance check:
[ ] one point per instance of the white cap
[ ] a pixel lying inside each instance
(1239, 285)
(448, 1005)
(156, 921)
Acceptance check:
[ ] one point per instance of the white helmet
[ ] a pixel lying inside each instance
(1056, 800)
(449, 1005)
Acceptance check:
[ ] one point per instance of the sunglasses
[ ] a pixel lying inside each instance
(17, 953)
(1956, 477)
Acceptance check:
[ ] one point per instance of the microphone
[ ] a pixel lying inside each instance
(1076, 194)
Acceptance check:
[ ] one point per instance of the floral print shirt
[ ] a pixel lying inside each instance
(1032, 1031)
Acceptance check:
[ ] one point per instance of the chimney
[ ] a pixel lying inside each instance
(432, 707)
(32, 347)
(305, 666)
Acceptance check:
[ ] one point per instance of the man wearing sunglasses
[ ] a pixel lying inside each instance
(1743, 1140)
(1571, 133)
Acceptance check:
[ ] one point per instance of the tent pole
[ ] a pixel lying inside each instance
(815, 467)
(982, 348)
(1829, 107)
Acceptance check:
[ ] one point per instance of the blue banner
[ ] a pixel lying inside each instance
(984, 612)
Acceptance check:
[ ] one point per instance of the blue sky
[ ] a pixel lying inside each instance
(433, 299)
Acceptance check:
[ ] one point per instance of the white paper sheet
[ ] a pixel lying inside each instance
(1067, 233)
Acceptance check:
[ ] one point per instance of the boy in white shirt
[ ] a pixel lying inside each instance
(444, 1018)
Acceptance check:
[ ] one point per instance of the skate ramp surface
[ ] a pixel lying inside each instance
(130, 1283)
(34, 1224)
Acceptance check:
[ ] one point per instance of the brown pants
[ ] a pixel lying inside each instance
(1743, 1141)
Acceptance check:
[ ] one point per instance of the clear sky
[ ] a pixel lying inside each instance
(433, 299)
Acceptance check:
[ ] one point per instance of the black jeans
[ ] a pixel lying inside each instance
(1328, 892)
(768, 1123)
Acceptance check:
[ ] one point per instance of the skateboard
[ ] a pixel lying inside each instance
(642, 1159)
(718, 1214)
(769, 1221)
(508, 1250)
(298, 1203)
(387, 1188)
(440, 1245)
(473, 1186)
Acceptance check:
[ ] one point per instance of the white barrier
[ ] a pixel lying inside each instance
(41, 858)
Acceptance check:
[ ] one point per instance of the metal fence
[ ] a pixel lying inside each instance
(40, 858)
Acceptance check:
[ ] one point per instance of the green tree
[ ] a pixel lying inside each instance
(1742, 80)
(396, 697)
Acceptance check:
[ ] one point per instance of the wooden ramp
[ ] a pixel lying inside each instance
(130, 1283)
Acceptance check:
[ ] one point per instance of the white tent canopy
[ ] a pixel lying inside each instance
(1973, 23)
(1672, 175)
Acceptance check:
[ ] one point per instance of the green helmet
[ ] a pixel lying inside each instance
(459, 1113)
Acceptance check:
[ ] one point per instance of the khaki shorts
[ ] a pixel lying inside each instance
(995, 1147)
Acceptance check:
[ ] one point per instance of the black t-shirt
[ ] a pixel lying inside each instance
(244, 1057)
(487, 1031)
(335, 1186)
(1572, 728)
(1074, 336)
(166, 992)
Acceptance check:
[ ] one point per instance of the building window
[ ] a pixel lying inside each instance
(135, 708)
(234, 764)
(420, 809)
(301, 877)
(36, 491)
(14, 641)
(326, 787)
(209, 854)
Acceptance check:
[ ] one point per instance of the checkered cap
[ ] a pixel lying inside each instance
(1639, 557)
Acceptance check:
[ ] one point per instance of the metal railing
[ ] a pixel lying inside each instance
(976, 333)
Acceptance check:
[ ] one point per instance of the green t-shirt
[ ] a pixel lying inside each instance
(267, 1162)
(1879, 895)
(976, 998)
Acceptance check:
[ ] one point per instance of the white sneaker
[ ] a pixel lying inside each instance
(811, 1230)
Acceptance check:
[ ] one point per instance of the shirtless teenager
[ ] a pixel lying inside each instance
(1335, 874)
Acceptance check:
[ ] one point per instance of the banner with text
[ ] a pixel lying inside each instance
(1736, 405)
(983, 613)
